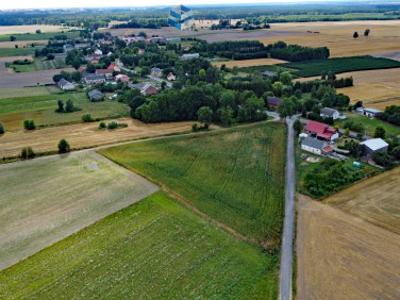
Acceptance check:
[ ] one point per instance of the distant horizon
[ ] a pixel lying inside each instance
(77, 4)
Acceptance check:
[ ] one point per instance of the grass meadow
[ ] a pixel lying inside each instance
(153, 249)
(235, 177)
(17, 51)
(41, 109)
(37, 36)
(38, 65)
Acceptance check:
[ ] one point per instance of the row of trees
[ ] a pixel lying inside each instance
(293, 53)
(28, 153)
(391, 115)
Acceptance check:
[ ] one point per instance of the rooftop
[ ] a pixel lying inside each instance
(375, 144)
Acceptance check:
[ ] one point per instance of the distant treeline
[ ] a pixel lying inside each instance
(144, 23)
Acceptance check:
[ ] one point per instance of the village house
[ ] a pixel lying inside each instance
(171, 76)
(65, 85)
(315, 146)
(107, 73)
(321, 131)
(91, 78)
(269, 74)
(273, 102)
(156, 72)
(122, 78)
(114, 67)
(95, 95)
(98, 52)
(146, 88)
(328, 112)
(368, 112)
(372, 146)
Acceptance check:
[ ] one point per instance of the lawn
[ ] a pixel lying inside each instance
(44, 200)
(340, 65)
(37, 36)
(371, 124)
(153, 249)
(41, 109)
(235, 177)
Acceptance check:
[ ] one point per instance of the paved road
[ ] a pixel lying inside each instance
(285, 278)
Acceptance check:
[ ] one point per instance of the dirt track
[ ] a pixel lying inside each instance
(341, 257)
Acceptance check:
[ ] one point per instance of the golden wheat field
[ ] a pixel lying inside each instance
(249, 62)
(338, 36)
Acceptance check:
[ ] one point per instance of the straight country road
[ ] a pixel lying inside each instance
(285, 277)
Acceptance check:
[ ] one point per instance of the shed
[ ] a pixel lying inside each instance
(328, 112)
(95, 95)
(372, 146)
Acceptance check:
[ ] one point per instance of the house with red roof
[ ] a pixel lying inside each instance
(321, 131)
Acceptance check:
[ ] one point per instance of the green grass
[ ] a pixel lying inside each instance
(154, 249)
(58, 196)
(371, 124)
(340, 65)
(38, 65)
(28, 91)
(42, 109)
(17, 51)
(235, 177)
(37, 36)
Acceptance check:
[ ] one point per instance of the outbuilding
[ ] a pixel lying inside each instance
(328, 112)
(65, 85)
(95, 95)
(372, 146)
(315, 146)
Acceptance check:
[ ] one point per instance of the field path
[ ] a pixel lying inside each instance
(47, 199)
(285, 280)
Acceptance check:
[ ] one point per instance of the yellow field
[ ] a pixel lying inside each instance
(249, 62)
(84, 135)
(30, 28)
(338, 36)
(341, 257)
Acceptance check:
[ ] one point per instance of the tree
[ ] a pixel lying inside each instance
(63, 146)
(143, 34)
(50, 56)
(29, 125)
(226, 116)
(70, 107)
(277, 88)
(355, 34)
(60, 108)
(12, 38)
(205, 115)
(366, 32)
(27, 153)
(285, 78)
(2, 129)
(90, 68)
(202, 74)
(297, 126)
(380, 132)
(396, 152)
(87, 118)
(102, 125)
(38, 31)
(383, 159)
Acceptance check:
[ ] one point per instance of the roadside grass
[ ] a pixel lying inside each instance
(17, 51)
(37, 36)
(41, 109)
(235, 176)
(371, 124)
(44, 200)
(150, 250)
(340, 65)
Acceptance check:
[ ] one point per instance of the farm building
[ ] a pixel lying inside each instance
(328, 112)
(181, 17)
(190, 56)
(90, 78)
(315, 146)
(369, 112)
(66, 85)
(95, 95)
(321, 131)
(372, 146)
(273, 102)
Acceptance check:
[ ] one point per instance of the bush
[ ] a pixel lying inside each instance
(102, 125)
(2, 129)
(27, 153)
(29, 125)
(383, 159)
(195, 127)
(87, 118)
(63, 146)
(112, 125)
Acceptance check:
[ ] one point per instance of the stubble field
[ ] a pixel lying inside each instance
(44, 200)
(249, 62)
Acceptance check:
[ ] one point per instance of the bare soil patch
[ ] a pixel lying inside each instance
(342, 257)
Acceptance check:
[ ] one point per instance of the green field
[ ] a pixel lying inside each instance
(27, 91)
(371, 124)
(38, 65)
(17, 51)
(235, 177)
(154, 249)
(47, 199)
(341, 65)
(41, 109)
(37, 36)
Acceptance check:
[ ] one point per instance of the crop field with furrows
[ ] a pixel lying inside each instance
(342, 257)
(46, 199)
(84, 135)
(150, 250)
(236, 177)
(375, 200)
(41, 109)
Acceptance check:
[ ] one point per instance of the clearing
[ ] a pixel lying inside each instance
(341, 257)
(41, 109)
(44, 200)
(84, 135)
(234, 176)
(375, 200)
(249, 62)
(152, 249)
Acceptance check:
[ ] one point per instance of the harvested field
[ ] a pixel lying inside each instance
(44, 200)
(375, 200)
(153, 249)
(236, 176)
(22, 44)
(30, 28)
(341, 257)
(84, 135)
(249, 62)
(338, 36)
(19, 80)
